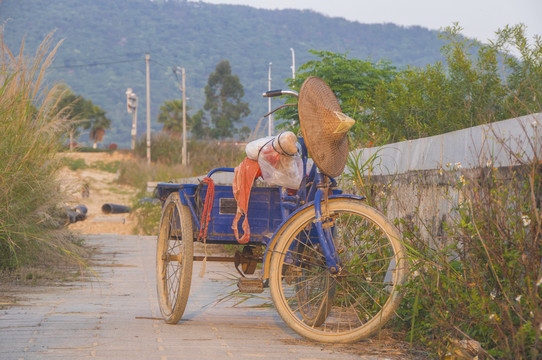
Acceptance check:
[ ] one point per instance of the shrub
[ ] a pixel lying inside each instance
(203, 156)
(74, 164)
(485, 282)
(30, 206)
(480, 276)
(147, 213)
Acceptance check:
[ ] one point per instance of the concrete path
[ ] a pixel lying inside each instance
(116, 316)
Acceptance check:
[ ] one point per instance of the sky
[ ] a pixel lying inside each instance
(478, 18)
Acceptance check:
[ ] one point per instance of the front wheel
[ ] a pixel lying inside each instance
(174, 257)
(361, 297)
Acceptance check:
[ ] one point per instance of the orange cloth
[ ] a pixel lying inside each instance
(243, 178)
(208, 206)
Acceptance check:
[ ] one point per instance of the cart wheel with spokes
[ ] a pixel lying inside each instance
(174, 257)
(362, 296)
(313, 281)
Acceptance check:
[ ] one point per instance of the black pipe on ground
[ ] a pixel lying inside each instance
(75, 214)
(114, 209)
(80, 212)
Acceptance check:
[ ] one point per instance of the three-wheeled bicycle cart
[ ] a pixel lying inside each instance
(332, 263)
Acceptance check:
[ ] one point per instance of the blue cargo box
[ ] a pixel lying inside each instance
(264, 211)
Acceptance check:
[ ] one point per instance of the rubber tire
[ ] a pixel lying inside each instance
(277, 264)
(176, 220)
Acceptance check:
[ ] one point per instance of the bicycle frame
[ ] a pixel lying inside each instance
(313, 192)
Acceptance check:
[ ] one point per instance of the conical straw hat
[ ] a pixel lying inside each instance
(324, 126)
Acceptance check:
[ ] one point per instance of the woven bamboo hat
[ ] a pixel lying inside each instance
(324, 126)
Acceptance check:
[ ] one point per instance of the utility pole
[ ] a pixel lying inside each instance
(182, 87)
(293, 63)
(184, 119)
(270, 130)
(131, 105)
(147, 58)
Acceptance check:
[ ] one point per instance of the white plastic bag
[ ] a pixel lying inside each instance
(279, 159)
(253, 148)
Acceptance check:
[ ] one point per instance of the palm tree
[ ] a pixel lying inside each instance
(98, 124)
(171, 115)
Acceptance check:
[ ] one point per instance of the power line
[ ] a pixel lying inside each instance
(159, 63)
(94, 64)
(108, 63)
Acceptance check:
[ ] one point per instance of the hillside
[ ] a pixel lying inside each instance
(104, 46)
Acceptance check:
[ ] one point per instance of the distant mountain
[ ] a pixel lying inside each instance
(105, 42)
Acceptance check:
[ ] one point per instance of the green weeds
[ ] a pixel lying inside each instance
(479, 280)
(31, 215)
(147, 213)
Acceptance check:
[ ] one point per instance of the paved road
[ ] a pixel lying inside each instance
(116, 316)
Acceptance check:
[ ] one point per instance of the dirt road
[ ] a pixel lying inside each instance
(103, 188)
(116, 316)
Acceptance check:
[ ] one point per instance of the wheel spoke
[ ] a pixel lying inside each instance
(327, 307)
(174, 259)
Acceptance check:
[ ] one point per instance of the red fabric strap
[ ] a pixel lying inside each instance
(206, 215)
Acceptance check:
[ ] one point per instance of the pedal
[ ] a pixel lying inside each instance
(250, 285)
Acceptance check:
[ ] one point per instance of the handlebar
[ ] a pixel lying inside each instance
(273, 93)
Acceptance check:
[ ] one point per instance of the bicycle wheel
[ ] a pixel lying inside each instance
(361, 297)
(174, 257)
(313, 283)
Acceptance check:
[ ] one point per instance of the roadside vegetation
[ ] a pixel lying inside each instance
(476, 289)
(31, 212)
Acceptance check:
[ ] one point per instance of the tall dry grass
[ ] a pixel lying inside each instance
(31, 215)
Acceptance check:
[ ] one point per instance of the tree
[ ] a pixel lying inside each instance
(80, 113)
(98, 124)
(244, 133)
(351, 80)
(198, 128)
(477, 84)
(171, 115)
(223, 94)
(70, 107)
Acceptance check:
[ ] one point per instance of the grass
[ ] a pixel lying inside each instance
(477, 279)
(79, 164)
(110, 167)
(148, 214)
(31, 213)
(74, 164)
(203, 155)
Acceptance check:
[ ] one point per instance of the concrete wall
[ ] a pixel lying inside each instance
(418, 179)
(472, 148)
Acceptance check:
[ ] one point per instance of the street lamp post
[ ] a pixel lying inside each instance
(293, 63)
(182, 87)
(147, 60)
(184, 160)
(131, 107)
(270, 129)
